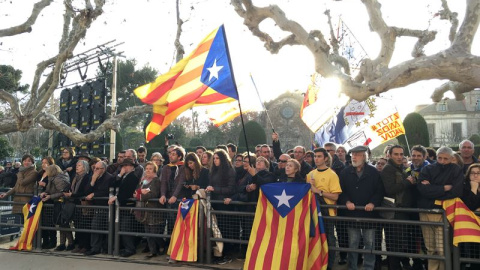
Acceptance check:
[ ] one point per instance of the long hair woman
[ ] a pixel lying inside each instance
(49, 237)
(196, 176)
(222, 186)
(206, 159)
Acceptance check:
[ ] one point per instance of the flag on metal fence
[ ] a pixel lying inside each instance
(465, 224)
(183, 244)
(202, 78)
(286, 230)
(31, 213)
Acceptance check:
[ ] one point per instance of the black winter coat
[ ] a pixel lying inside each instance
(439, 175)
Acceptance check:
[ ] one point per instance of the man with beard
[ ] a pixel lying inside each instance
(361, 187)
(114, 166)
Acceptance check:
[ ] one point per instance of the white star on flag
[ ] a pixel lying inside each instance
(214, 70)
(185, 204)
(32, 207)
(283, 199)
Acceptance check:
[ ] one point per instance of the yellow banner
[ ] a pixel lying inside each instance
(388, 128)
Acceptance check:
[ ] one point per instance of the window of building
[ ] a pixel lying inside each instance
(457, 131)
(442, 106)
(431, 132)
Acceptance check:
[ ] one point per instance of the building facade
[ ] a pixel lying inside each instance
(451, 121)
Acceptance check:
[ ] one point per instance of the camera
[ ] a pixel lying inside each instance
(170, 136)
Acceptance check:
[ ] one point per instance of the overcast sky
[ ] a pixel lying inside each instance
(148, 30)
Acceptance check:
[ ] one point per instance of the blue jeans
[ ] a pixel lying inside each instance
(354, 236)
(332, 241)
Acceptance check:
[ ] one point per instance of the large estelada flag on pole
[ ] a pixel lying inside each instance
(465, 224)
(286, 231)
(183, 244)
(204, 77)
(31, 213)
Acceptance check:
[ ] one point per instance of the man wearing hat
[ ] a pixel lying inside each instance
(362, 191)
(122, 190)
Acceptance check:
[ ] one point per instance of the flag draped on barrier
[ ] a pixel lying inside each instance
(204, 77)
(465, 224)
(287, 230)
(183, 244)
(31, 216)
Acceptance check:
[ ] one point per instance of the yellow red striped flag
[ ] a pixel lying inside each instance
(286, 230)
(31, 213)
(183, 244)
(465, 224)
(223, 113)
(203, 77)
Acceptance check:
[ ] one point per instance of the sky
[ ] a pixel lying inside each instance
(148, 29)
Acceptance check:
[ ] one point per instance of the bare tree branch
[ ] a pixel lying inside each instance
(333, 38)
(447, 14)
(457, 88)
(49, 121)
(178, 45)
(12, 101)
(376, 75)
(26, 27)
(466, 33)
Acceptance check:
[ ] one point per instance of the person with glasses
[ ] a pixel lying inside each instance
(157, 158)
(380, 164)
(98, 187)
(299, 154)
(471, 198)
(67, 161)
(336, 164)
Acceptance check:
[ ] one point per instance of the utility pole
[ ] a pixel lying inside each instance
(114, 108)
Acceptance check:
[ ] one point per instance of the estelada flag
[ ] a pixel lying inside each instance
(465, 224)
(31, 213)
(183, 244)
(286, 230)
(204, 77)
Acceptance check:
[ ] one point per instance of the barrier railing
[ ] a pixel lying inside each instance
(402, 238)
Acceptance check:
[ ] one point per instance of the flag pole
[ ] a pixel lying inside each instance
(238, 95)
(263, 105)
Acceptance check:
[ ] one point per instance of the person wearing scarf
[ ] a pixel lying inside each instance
(149, 188)
(77, 193)
(26, 178)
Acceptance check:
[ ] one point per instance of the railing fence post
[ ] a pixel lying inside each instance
(201, 230)
(209, 230)
(446, 242)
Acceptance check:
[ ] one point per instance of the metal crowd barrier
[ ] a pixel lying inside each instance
(394, 237)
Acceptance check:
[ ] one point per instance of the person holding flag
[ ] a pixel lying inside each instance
(326, 187)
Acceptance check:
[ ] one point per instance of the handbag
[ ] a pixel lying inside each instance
(66, 214)
(140, 215)
(388, 203)
(86, 211)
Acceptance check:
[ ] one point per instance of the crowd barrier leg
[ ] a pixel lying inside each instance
(456, 258)
(38, 238)
(116, 251)
(209, 230)
(111, 228)
(446, 242)
(201, 236)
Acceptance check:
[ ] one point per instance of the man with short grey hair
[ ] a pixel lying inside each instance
(467, 149)
(442, 180)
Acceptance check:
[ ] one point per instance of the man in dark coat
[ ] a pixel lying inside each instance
(97, 188)
(123, 190)
(442, 180)
(400, 187)
(361, 187)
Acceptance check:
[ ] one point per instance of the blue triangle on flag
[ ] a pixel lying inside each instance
(32, 206)
(185, 206)
(285, 196)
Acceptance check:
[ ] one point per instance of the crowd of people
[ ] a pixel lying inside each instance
(337, 176)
